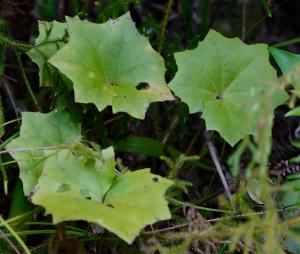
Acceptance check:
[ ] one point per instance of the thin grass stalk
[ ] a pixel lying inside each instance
(28, 86)
(15, 235)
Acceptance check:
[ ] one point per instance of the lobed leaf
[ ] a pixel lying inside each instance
(223, 78)
(74, 182)
(47, 44)
(72, 189)
(40, 130)
(108, 62)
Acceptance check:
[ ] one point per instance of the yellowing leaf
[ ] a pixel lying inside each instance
(108, 61)
(223, 78)
(72, 189)
(74, 182)
(40, 130)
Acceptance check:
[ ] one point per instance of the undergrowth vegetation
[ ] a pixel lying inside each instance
(148, 127)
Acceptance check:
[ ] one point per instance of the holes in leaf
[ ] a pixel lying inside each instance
(85, 193)
(220, 97)
(155, 179)
(113, 84)
(110, 205)
(35, 190)
(63, 188)
(142, 86)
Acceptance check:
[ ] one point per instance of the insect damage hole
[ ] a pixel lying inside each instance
(86, 194)
(220, 97)
(142, 86)
(155, 179)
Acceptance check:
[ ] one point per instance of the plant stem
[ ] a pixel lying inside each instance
(213, 154)
(14, 44)
(11, 121)
(2, 145)
(194, 139)
(276, 8)
(267, 8)
(27, 81)
(244, 18)
(162, 35)
(10, 96)
(2, 233)
(287, 42)
(216, 220)
(15, 235)
(28, 149)
(170, 130)
(204, 18)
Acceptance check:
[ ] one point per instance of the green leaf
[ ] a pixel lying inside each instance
(40, 130)
(108, 61)
(47, 44)
(293, 112)
(285, 60)
(146, 146)
(289, 64)
(72, 189)
(223, 78)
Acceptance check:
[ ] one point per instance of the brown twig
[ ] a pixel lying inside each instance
(244, 18)
(216, 220)
(194, 139)
(10, 243)
(170, 130)
(213, 153)
(10, 96)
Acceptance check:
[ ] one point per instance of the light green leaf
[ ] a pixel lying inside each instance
(40, 130)
(223, 78)
(106, 62)
(72, 189)
(48, 43)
